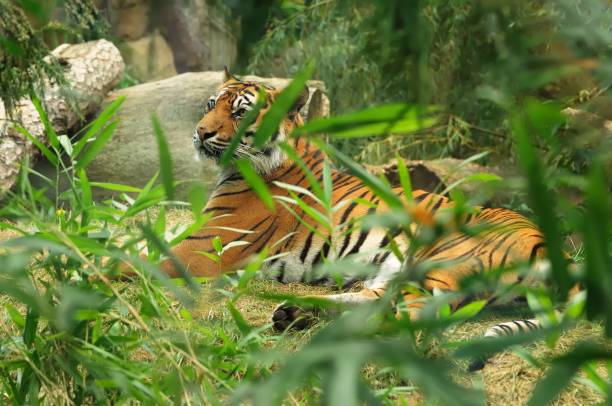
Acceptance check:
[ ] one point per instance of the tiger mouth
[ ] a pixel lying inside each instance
(210, 150)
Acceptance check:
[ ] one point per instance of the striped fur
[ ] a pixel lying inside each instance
(297, 243)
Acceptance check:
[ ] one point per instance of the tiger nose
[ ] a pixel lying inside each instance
(203, 134)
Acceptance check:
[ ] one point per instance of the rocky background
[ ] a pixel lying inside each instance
(159, 39)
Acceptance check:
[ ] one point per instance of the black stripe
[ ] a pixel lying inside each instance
(292, 167)
(218, 208)
(322, 253)
(362, 237)
(530, 324)
(383, 258)
(281, 272)
(437, 205)
(508, 250)
(534, 250)
(305, 171)
(350, 179)
(519, 325)
(363, 234)
(240, 237)
(351, 207)
(230, 193)
(200, 237)
(351, 190)
(421, 197)
(306, 247)
(499, 244)
(268, 235)
(393, 233)
(437, 280)
(231, 178)
(447, 245)
(345, 215)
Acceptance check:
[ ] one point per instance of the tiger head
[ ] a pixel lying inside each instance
(223, 114)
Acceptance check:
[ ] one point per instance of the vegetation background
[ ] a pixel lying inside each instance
(501, 73)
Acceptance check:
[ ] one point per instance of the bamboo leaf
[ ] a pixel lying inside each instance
(49, 131)
(256, 182)
(379, 120)
(97, 124)
(165, 160)
(96, 146)
(42, 147)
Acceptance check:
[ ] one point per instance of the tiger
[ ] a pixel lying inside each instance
(297, 244)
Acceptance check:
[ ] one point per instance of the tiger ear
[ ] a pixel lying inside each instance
(228, 77)
(298, 104)
(301, 100)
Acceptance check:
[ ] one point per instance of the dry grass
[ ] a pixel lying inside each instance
(507, 379)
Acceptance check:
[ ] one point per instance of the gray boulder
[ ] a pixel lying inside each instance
(131, 156)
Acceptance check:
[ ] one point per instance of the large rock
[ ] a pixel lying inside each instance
(150, 58)
(200, 33)
(129, 18)
(131, 157)
(91, 69)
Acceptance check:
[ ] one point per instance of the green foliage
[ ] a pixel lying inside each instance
(460, 55)
(26, 31)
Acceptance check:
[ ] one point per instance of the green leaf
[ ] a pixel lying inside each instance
(97, 124)
(165, 160)
(96, 146)
(197, 199)
(380, 120)
(15, 316)
(29, 330)
(50, 132)
(160, 223)
(163, 248)
(282, 105)
(216, 243)
(117, 187)
(65, 143)
(42, 147)
(86, 196)
(470, 310)
(256, 182)
(239, 320)
(404, 177)
(196, 226)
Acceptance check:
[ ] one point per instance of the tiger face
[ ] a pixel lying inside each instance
(224, 112)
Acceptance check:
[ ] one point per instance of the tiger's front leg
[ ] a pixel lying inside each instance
(287, 315)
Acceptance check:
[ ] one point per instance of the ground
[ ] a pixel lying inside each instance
(507, 379)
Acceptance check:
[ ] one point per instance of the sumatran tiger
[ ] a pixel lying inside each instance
(294, 241)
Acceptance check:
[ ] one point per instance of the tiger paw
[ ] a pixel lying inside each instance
(288, 316)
